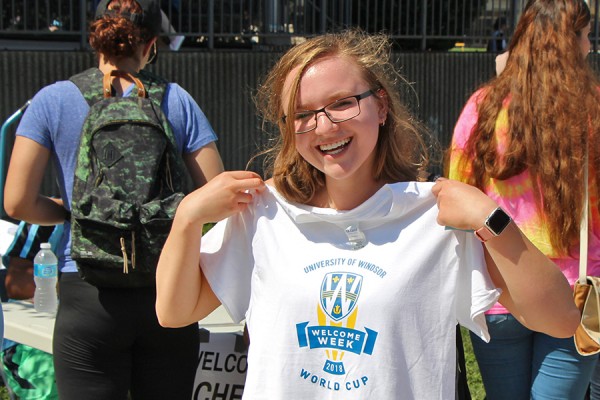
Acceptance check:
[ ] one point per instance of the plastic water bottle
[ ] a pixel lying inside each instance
(45, 275)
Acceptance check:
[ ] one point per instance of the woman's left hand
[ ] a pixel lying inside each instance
(461, 206)
(513, 263)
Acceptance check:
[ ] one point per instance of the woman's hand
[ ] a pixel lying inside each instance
(513, 263)
(461, 206)
(227, 194)
(183, 294)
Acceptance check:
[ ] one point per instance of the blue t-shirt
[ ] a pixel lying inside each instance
(55, 118)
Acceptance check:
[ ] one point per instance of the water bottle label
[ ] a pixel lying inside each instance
(45, 271)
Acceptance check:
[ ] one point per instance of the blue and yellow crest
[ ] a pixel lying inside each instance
(339, 294)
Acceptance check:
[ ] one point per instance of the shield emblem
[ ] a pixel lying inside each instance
(339, 294)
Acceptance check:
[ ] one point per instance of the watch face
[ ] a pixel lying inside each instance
(497, 221)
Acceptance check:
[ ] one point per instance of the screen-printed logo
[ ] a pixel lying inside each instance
(339, 293)
(336, 314)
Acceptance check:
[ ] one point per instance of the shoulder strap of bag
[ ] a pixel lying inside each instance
(108, 78)
(93, 84)
(583, 228)
(27, 239)
(155, 85)
(89, 83)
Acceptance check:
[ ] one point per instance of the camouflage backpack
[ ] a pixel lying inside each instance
(129, 180)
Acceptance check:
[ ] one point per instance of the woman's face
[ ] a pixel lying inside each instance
(342, 150)
(584, 40)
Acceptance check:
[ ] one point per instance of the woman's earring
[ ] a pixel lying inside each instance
(153, 54)
(382, 124)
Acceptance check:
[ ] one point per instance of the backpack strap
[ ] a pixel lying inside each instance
(108, 78)
(27, 239)
(156, 86)
(91, 84)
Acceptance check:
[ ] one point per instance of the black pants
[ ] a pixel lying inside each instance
(107, 342)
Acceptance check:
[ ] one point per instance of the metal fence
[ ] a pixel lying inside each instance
(210, 24)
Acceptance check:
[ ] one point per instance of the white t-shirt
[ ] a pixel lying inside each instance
(358, 304)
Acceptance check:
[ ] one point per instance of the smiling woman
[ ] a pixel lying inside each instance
(397, 157)
(326, 261)
(339, 147)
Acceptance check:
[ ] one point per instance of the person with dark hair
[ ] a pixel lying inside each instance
(522, 138)
(341, 264)
(497, 44)
(107, 341)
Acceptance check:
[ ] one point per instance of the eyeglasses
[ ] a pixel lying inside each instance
(339, 111)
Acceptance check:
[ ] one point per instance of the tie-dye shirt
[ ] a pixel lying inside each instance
(515, 196)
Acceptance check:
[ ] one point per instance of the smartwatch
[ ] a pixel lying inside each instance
(494, 225)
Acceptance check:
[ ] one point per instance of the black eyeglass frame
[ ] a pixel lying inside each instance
(358, 98)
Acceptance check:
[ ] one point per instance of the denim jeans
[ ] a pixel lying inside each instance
(520, 364)
(595, 383)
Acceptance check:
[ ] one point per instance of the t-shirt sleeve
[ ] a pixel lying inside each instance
(41, 119)
(191, 127)
(227, 262)
(476, 293)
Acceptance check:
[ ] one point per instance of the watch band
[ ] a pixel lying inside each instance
(484, 234)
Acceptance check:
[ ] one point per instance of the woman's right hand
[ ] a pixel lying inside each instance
(226, 194)
(183, 294)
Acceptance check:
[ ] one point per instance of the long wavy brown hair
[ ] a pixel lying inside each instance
(553, 113)
(117, 37)
(401, 151)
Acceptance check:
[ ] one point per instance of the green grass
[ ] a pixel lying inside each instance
(207, 227)
(473, 376)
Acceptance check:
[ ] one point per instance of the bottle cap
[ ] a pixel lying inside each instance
(45, 246)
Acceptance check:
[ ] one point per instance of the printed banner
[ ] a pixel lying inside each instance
(222, 365)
